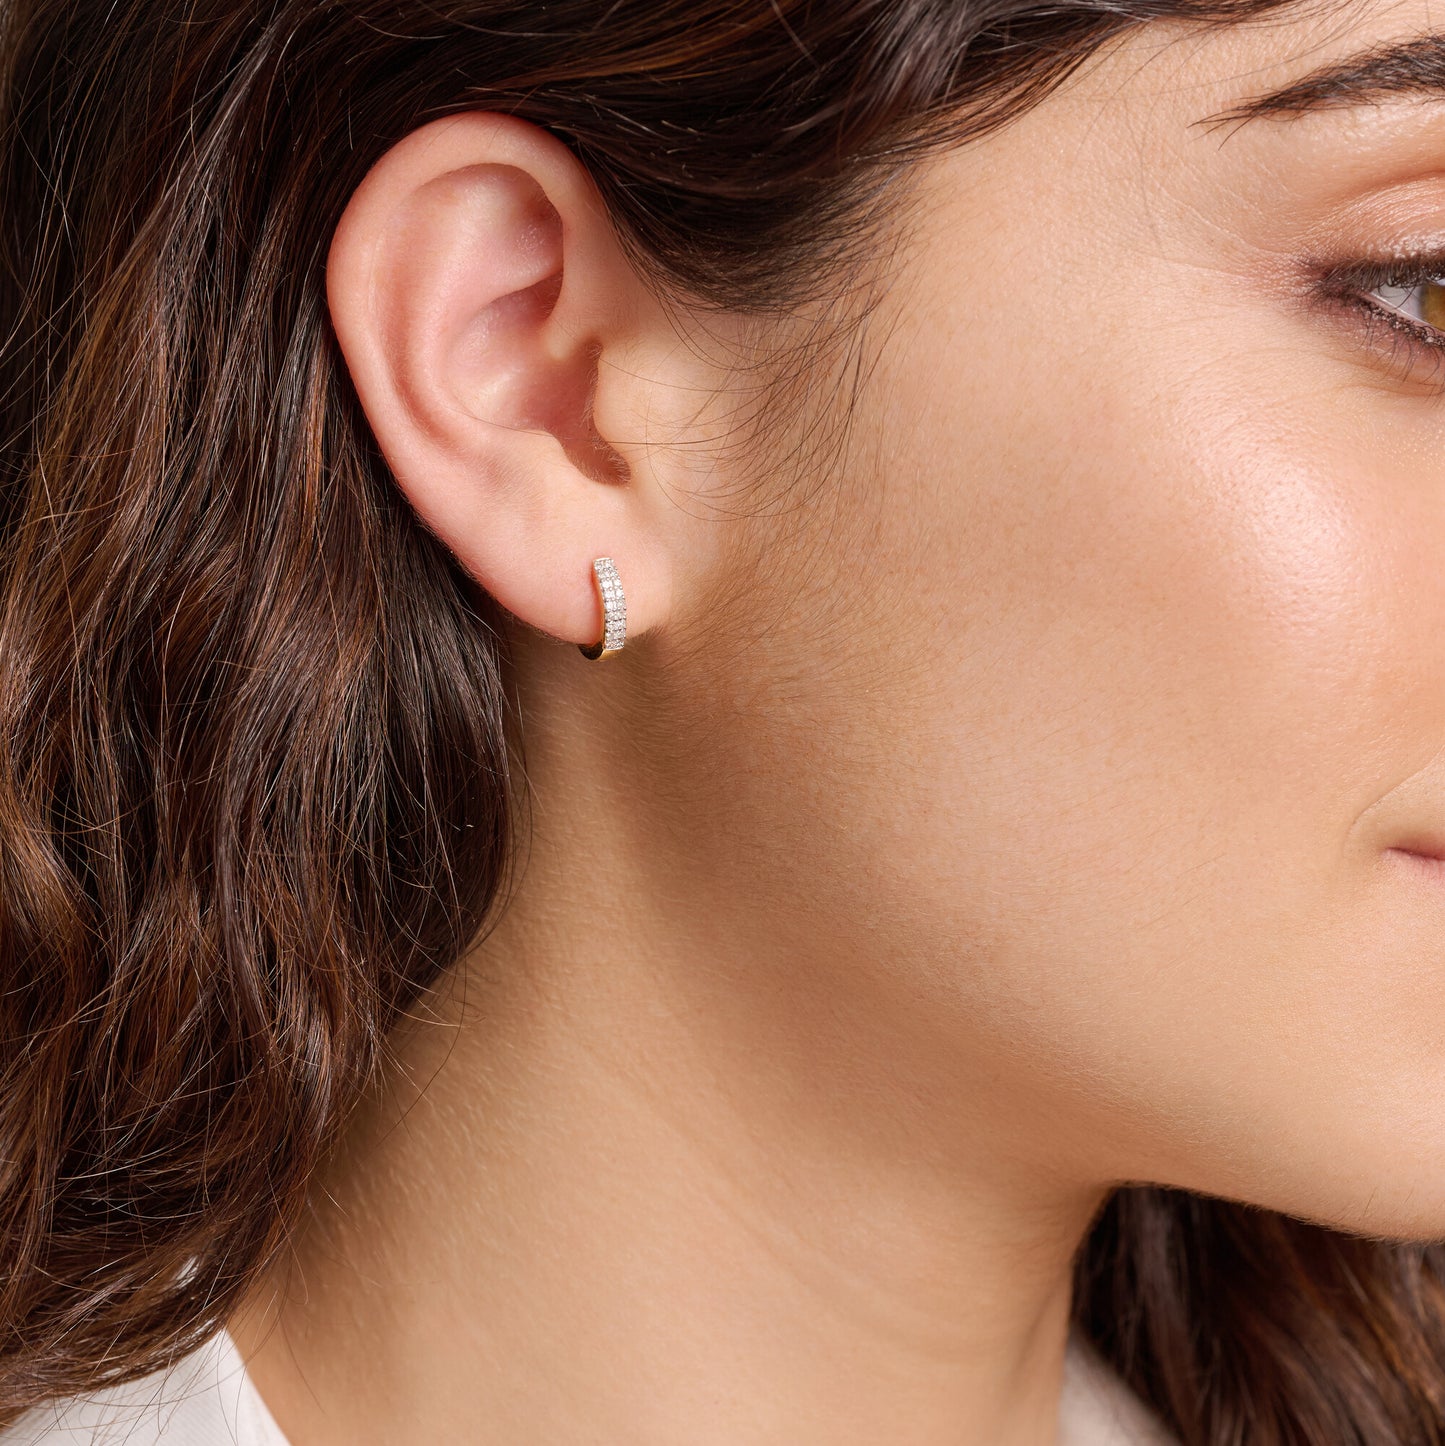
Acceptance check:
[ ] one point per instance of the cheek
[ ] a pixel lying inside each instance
(1151, 664)
(1164, 628)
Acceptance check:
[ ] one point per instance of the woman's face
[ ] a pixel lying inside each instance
(1080, 723)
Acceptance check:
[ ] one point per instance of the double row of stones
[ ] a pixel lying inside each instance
(614, 605)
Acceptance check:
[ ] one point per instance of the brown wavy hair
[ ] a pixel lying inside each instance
(256, 789)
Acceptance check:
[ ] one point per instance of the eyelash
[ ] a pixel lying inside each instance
(1422, 344)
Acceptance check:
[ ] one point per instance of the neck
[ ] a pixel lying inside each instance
(639, 1178)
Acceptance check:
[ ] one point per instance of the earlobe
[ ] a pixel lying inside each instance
(478, 293)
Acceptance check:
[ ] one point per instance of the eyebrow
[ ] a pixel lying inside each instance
(1409, 68)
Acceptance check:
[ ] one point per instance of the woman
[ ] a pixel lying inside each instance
(722, 722)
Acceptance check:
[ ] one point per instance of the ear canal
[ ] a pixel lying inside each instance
(559, 400)
(524, 386)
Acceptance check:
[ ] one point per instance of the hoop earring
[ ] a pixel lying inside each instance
(614, 611)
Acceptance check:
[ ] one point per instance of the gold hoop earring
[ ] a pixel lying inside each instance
(614, 611)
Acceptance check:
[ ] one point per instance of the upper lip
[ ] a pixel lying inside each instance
(1429, 846)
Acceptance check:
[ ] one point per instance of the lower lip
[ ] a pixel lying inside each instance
(1427, 863)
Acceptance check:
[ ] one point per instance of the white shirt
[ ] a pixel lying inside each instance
(207, 1399)
(204, 1399)
(1096, 1408)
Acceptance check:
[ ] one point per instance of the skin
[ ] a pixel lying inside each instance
(1032, 802)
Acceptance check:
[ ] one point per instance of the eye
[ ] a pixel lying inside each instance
(1397, 307)
(1421, 301)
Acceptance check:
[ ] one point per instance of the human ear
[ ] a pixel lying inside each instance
(491, 325)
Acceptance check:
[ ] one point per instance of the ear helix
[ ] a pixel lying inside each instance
(614, 611)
